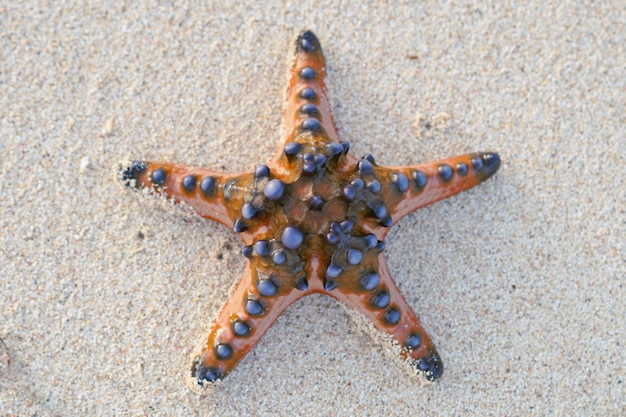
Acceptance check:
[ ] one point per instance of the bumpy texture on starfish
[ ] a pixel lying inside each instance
(313, 220)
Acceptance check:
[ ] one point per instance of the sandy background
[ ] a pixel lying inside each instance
(521, 281)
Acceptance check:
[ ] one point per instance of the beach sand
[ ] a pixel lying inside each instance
(521, 282)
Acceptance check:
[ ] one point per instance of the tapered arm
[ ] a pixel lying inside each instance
(250, 311)
(307, 117)
(213, 195)
(370, 289)
(407, 188)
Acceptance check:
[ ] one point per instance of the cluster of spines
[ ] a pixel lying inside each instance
(348, 249)
(314, 159)
(367, 187)
(276, 253)
(380, 299)
(309, 112)
(207, 184)
(260, 195)
(484, 165)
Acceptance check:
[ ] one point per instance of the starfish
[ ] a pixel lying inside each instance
(313, 219)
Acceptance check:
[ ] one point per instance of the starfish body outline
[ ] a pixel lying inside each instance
(313, 220)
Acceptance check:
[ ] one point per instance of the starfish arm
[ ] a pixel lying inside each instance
(308, 115)
(407, 188)
(213, 195)
(249, 312)
(373, 293)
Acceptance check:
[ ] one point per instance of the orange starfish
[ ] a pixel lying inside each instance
(313, 219)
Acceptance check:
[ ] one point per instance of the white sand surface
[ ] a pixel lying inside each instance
(521, 281)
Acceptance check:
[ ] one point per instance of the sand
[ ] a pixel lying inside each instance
(105, 294)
